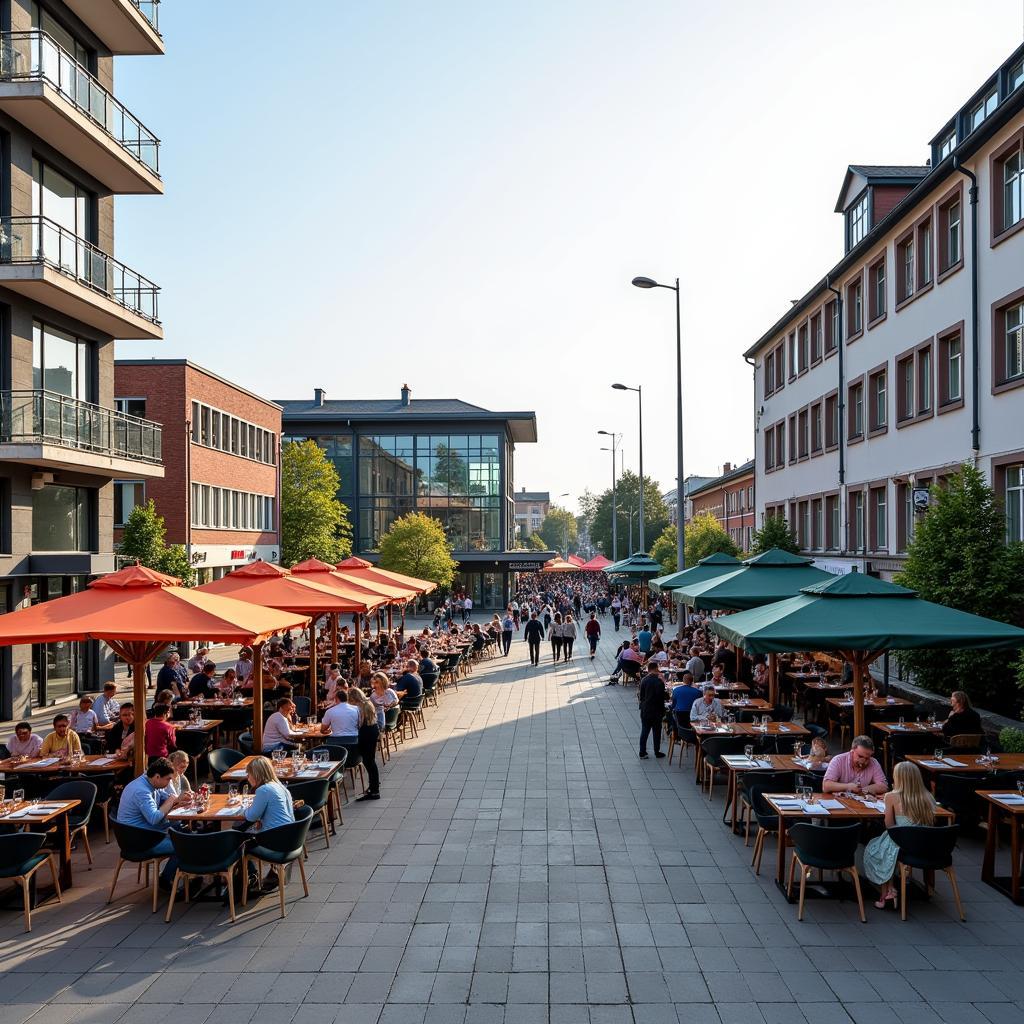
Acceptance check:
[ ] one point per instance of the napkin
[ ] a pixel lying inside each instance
(783, 728)
(953, 763)
(934, 764)
(896, 727)
(309, 773)
(104, 760)
(1009, 798)
(789, 805)
(44, 809)
(235, 773)
(181, 812)
(224, 811)
(814, 809)
(44, 763)
(875, 805)
(23, 813)
(764, 763)
(832, 805)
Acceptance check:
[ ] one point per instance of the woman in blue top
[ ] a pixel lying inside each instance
(272, 803)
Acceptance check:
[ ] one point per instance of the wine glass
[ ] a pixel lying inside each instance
(939, 753)
(1020, 786)
(748, 751)
(19, 796)
(233, 793)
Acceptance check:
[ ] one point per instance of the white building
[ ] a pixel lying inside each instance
(907, 358)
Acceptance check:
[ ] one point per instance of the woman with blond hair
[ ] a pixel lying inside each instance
(909, 803)
(369, 734)
(271, 803)
(179, 780)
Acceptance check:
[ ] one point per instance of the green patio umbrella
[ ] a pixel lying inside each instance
(859, 617)
(708, 568)
(638, 568)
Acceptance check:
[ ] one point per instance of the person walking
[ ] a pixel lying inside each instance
(507, 625)
(533, 633)
(593, 631)
(568, 636)
(652, 696)
(555, 636)
(616, 612)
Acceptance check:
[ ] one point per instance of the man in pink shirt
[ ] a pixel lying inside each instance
(857, 771)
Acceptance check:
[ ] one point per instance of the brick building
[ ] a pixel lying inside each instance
(730, 498)
(531, 509)
(221, 489)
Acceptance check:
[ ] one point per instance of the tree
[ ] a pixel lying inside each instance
(705, 536)
(143, 539)
(558, 525)
(314, 523)
(959, 557)
(627, 495)
(774, 533)
(664, 550)
(415, 544)
(535, 543)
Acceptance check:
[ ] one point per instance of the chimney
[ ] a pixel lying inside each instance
(406, 395)
(727, 468)
(318, 396)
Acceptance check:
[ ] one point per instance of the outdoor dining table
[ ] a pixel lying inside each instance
(88, 764)
(207, 725)
(46, 812)
(873, 702)
(743, 729)
(954, 763)
(739, 764)
(746, 704)
(284, 770)
(1008, 806)
(887, 729)
(214, 702)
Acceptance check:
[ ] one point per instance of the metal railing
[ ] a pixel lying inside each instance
(47, 417)
(41, 240)
(34, 56)
(150, 10)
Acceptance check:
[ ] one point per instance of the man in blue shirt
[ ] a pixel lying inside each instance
(683, 697)
(644, 638)
(145, 803)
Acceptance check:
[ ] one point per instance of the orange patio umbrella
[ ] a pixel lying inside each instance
(363, 569)
(137, 612)
(576, 560)
(559, 565)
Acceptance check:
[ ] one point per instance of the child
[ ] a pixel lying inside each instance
(84, 720)
(819, 755)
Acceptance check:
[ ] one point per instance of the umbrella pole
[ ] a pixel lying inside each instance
(139, 696)
(312, 658)
(334, 638)
(773, 679)
(257, 697)
(391, 621)
(859, 668)
(359, 645)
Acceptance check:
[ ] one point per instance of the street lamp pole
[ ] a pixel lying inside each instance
(646, 282)
(615, 532)
(565, 530)
(640, 414)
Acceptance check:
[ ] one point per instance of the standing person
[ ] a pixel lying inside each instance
(243, 667)
(533, 633)
(652, 697)
(555, 636)
(644, 637)
(616, 612)
(383, 697)
(158, 734)
(508, 623)
(369, 734)
(467, 608)
(568, 636)
(514, 611)
(593, 631)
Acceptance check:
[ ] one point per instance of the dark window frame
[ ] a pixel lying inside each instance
(946, 268)
(1000, 383)
(876, 315)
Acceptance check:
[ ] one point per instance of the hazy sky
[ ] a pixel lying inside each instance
(457, 194)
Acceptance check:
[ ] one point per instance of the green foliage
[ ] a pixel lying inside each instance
(774, 533)
(1012, 740)
(664, 550)
(314, 523)
(627, 496)
(535, 543)
(559, 525)
(144, 534)
(706, 536)
(415, 544)
(959, 557)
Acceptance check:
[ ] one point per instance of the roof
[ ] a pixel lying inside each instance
(198, 369)
(946, 168)
(881, 174)
(532, 496)
(522, 425)
(733, 474)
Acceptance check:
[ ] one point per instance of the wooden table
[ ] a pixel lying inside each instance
(283, 771)
(876, 702)
(1013, 812)
(738, 764)
(743, 729)
(60, 812)
(90, 764)
(218, 809)
(966, 763)
(213, 702)
(888, 729)
(747, 704)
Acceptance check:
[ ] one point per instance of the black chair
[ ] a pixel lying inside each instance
(104, 783)
(430, 688)
(303, 706)
(194, 743)
(206, 853)
(768, 780)
(340, 754)
(412, 712)
(714, 748)
(137, 846)
(767, 822)
(812, 780)
(391, 732)
(681, 735)
(78, 817)
(927, 848)
(957, 792)
(222, 760)
(280, 847)
(782, 713)
(314, 794)
(4, 752)
(900, 745)
(21, 856)
(245, 744)
(824, 849)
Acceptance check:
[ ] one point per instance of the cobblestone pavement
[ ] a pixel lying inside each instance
(523, 867)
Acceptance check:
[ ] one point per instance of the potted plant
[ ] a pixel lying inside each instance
(1012, 740)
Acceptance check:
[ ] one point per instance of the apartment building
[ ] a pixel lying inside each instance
(530, 509)
(67, 147)
(730, 499)
(220, 494)
(690, 484)
(907, 358)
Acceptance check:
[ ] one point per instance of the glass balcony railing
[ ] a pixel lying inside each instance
(41, 240)
(46, 417)
(34, 57)
(150, 10)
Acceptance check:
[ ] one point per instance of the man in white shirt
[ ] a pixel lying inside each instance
(342, 719)
(709, 705)
(107, 707)
(24, 742)
(277, 733)
(695, 664)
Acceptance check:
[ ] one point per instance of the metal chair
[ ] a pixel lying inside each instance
(303, 706)
(137, 846)
(280, 847)
(222, 760)
(21, 856)
(78, 818)
(714, 748)
(824, 849)
(314, 794)
(206, 853)
(927, 848)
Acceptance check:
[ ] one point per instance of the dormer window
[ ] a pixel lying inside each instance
(947, 144)
(857, 221)
(1015, 79)
(981, 110)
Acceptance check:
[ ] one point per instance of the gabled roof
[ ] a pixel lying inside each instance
(744, 470)
(879, 174)
(532, 496)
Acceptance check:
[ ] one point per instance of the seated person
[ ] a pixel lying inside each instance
(718, 675)
(278, 733)
(159, 734)
(709, 705)
(179, 780)
(760, 679)
(121, 735)
(145, 803)
(106, 707)
(198, 660)
(427, 665)
(342, 719)
(410, 685)
(84, 719)
(962, 719)
(201, 685)
(228, 683)
(856, 771)
(684, 695)
(173, 676)
(24, 742)
(165, 697)
(818, 754)
(630, 659)
(62, 742)
(276, 688)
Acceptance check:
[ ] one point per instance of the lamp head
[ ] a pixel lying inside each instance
(644, 282)
(621, 387)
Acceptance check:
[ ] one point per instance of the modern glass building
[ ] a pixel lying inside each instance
(443, 457)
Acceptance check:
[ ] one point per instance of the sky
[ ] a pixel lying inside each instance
(456, 195)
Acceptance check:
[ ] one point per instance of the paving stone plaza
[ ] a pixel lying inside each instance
(522, 867)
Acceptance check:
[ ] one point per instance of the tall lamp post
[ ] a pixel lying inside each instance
(640, 415)
(615, 533)
(647, 282)
(565, 529)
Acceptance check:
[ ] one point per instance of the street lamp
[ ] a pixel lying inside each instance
(646, 283)
(630, 516)
(615, 533)
(640, 414)
(565, 529)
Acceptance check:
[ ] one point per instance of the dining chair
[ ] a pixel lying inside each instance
(222, 760)
(714, 748)
(21, 856)
(314, 794)
(206, 853)
(823, 849)
(681, 736)
(279, 847)
(926, 848)
(78, 817)
(769, 780)
(138, 846)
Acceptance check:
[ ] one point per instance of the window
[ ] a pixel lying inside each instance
(127, 495)
(950, 232)
(854, 309)
(856, 521)
(804, 428)
(924, 253)
(1013, 500)
(906, 379)
(832, 522)
(792, 355)
(876, 279)
(1015, 77)
(769, 374)
(904, 516)
(832, 420)
(803, 521)
(855, 410)
(803, 349)
(131, 406)
(857, 222)
(750, 497)
(780, 444)
(1008, 188)
(196, 416)
(780, 366)
(62, 519)
(816, 431)
(1014, 341)
(951, 370)
(816, 338)
(220, 508)
(879, 520)
(68, 206)
(947, 144)
(1008, 342)
(924, 380)
(792, 438)
(906, 282)
(879, 416)
(833, 326)
(769, 449)
(817, 525)
(62, 363)
(981, 110)
(215, 429)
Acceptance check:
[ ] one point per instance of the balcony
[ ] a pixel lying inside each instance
(50, 265)
(44, 88)
(52, 431)
(124, 26)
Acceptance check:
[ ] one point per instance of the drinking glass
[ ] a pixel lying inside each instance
(3, 793)
(902, 721)
(764, 722)
(748, 751)
(233, 793)
(804, 792)
(939, 753)
(798, 749)
(19, 796)
(1020, 786)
